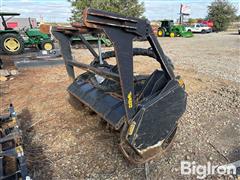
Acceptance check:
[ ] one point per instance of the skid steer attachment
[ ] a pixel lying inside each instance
(12, 160)
(145, 109)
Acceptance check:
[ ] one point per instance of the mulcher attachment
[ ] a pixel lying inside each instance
(12, 159)
(145, 109)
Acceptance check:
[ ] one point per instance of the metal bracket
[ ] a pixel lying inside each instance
(121, 31)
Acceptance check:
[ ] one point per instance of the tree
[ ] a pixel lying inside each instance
(125, 7)
(192, 21)
(237, 18)
(221, 12)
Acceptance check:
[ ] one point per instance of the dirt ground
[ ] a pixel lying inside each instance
(62, 142)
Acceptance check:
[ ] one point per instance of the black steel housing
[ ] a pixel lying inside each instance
(150, 109)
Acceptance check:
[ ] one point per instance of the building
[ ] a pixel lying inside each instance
(19, 23)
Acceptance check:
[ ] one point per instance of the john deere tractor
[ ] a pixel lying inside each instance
(12, 43)
(168, 28)
(35, 38)
(93, 40)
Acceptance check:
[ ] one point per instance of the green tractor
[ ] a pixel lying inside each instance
(12, 43)
(168, 28)
(93, 40)
(35, 38)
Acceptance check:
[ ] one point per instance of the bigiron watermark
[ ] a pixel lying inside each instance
(202, 171)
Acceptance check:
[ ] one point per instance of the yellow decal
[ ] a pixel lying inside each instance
(130, 103)
(19, 151)
(14, 121)
(131, 128)
(181, 82)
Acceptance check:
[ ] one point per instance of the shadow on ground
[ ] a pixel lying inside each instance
(234, 33)
(36, 159)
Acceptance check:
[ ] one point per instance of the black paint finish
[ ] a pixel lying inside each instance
(154, 105)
